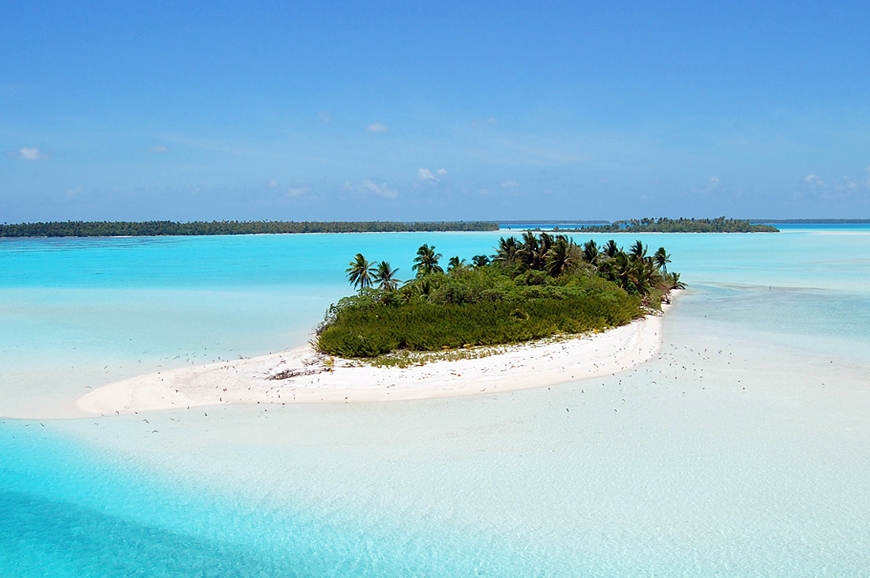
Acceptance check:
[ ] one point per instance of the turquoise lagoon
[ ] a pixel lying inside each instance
(741, 450)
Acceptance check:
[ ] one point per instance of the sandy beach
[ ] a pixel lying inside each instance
(302, 375)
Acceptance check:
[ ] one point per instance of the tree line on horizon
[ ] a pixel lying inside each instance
(195, 228)
(532, 287)
(681, 225)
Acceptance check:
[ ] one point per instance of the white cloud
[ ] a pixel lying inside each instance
(425, 175)
(272, 184)
(849, 183)
(296, 191)
(381, 190)
(159, 149)
(377, 127)
(813, 179)
(483, 191)
(510, 184)
(712, 184)
(30, 154)
(73, 193)
(491, 120)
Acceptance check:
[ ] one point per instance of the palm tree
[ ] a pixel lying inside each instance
(360, 272)
(507, 251)
(385, 276)
(644, 276)
(421, 286)
(561, 257)
(528, 249)
(661, 259)
(590, 251)
(547, 240)
(533, 250)
(619, 270)
(676, 283)
(480, 260)
(610, 249)
(637, 251)
(426, 261)
(455, 262)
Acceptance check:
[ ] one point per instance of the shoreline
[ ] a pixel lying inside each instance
(302, 375)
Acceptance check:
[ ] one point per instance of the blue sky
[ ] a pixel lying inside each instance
(433, 110)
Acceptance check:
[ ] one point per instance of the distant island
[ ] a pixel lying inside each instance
(534, 287)
(171, 228)
(665, 225)
(817, 221)
(195, 228)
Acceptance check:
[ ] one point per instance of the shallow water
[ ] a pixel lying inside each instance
(742, 450)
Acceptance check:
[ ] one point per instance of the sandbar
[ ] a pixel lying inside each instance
(303, 375)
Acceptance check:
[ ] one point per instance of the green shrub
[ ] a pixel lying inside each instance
(524, 294)
(369, 329)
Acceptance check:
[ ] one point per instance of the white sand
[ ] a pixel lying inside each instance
(252, 380)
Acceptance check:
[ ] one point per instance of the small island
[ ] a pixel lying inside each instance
(539, 312)
(666, 225)
(534, 287)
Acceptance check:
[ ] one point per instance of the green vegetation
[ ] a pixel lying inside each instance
(817, 221)
(534, 287)
(167, 228)
(665, 225)
(405, 358)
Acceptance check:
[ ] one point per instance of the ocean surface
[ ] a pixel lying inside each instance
(743, 449)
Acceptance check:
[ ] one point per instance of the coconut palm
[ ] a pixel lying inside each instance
(426, 261)
(385, 276)
(562, 256)
(547, 239)
(661, 259)
(421, 286)
(645, 276)
(480, 260)
(528, 249)
(507, 251)
(610, 249)
(619, 270)
(454, 263)
(546, 243)
(590, 251)
(360, 272)
(637, 251)
(533, 250)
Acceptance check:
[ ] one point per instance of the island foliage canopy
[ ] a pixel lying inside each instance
(173, 228)
(666, 225)
(168, 228)
(533, 287)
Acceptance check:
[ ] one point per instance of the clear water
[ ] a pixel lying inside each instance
(740, 451)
